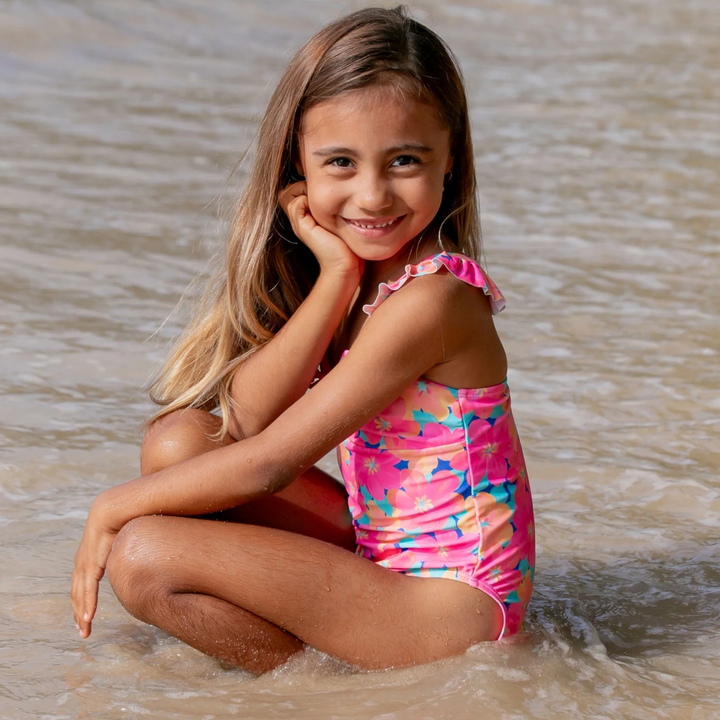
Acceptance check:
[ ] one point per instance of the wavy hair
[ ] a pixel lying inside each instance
(264, 278)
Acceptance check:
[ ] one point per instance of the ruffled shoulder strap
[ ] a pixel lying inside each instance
(461, 266)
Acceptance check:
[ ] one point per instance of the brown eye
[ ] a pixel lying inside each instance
(341, 162)
(404, 160)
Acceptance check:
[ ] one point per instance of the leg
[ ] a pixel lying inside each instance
(314, 504)
(248, 595)
(179, 436)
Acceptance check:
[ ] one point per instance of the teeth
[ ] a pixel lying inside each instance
(369, 227)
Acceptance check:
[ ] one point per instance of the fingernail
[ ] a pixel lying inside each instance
(86, 617)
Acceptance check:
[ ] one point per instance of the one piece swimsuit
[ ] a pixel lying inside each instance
(437, 482)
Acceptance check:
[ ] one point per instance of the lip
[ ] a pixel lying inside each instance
(374, 232)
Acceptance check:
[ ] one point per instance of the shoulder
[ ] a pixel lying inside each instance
(462, 274)
(438, 295)
(432, 317)
(445, 315)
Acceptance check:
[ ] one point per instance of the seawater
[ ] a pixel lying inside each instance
(598, 154)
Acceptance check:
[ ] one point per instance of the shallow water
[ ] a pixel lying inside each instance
(598, 154)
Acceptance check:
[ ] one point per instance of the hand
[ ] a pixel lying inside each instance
(90, 561)
(331, 252)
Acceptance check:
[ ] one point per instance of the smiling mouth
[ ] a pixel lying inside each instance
(373, 225)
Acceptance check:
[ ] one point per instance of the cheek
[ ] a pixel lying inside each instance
(322, 199)
(426, 197)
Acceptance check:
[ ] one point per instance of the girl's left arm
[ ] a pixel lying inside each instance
(398, 344)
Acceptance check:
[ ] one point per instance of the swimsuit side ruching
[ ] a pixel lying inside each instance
(437, 482)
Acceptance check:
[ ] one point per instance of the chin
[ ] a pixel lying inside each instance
(376, 254)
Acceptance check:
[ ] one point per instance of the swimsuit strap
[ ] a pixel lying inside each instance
(461, 266)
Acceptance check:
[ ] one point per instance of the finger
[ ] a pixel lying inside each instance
(76, 597)
(90, 592)
(297, 211)
(297, 207)
(90, 598)
(72, 597)
(286, 195)
(78, 600)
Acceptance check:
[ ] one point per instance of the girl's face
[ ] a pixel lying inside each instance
(374, 163)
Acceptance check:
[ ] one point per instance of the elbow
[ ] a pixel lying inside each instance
(272, 469)
(252, 468)
(241, 423)
(236, 423)
(278, 482)
(234, 429)
(240, 428)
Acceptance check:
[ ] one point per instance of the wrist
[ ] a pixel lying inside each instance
(347, 274)
(337, 287)
(106, 511)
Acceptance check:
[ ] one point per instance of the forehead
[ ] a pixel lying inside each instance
(372, 115)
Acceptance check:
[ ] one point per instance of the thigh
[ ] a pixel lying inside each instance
(314, 504)
(330, 598)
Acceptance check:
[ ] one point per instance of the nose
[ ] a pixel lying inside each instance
(374, 192)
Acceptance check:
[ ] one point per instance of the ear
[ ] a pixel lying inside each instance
(450, 163)
(297, 160)
(294, 171)
(299, 169)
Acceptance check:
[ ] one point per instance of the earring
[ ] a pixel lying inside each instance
(448, 177)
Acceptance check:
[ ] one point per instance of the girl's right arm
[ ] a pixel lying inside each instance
(278, 374)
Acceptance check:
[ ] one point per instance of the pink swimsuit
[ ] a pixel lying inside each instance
(437, 482)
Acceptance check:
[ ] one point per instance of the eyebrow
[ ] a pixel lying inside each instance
(405, 147)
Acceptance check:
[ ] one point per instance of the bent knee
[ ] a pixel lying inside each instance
(177, 437)
(132, 566)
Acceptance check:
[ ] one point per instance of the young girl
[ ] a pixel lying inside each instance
(353, 248)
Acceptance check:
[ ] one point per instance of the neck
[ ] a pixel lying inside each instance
(391, 269)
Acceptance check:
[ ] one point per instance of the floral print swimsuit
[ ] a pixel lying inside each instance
(437, 482)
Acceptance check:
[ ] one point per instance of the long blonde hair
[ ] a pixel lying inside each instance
(267, 271)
